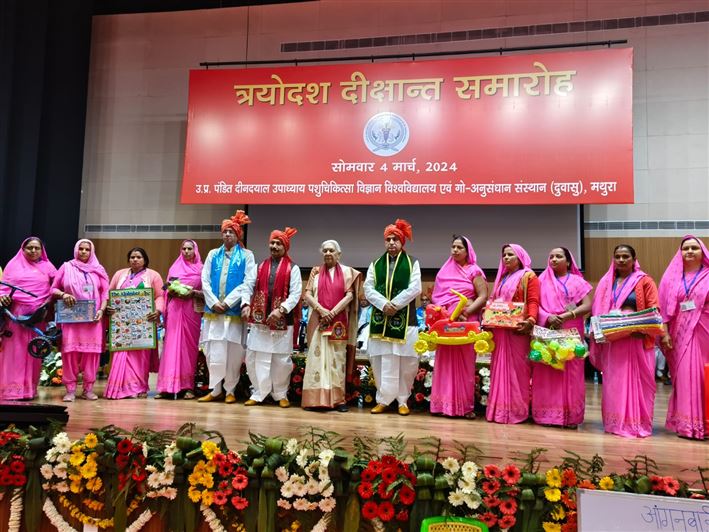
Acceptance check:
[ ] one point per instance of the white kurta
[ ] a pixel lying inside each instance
(223, 336)
(268, 355)
(394, 364)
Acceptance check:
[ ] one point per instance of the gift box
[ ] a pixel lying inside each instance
(556, 347)
(502, 314)
(611, 327)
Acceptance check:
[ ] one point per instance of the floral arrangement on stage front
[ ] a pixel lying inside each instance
(112, 478)
(52, 370)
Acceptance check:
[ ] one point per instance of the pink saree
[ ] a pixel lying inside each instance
(19, 372)
(508, 401)
(82, 343)
(628, 366)
(182, 324)
(690, 336)
(453, 388)
(559, 397)
(130, 369)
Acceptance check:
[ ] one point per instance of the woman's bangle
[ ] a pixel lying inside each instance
(573, 314)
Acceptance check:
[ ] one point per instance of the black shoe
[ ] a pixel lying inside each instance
(342, 408)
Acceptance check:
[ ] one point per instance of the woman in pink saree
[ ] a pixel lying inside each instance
(684, 300)
(559, 397)
(453, 389)
(30, 270)
(82, 343)
(182, 323)
(130, 369)
(510, 370)
(627, 364)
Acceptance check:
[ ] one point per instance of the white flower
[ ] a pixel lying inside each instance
(470, 470)
(170, 493)
(313, 487)
(450, 479)
(300, 489)
(287, 490)
(323, 473)
(483, 399)
(154, 480)
(327, 505)
(472, 500)
(45, 487)
(281, 474)
(301, 504)
(428, 379)
(282, 503)
(291, 446)
(325, 456)
(484, 372)
(456, 498)
(450, 464)
(62, 442)
(326, 488)
(466, 486)
(47, 471)
(62, 487)
(302, 458)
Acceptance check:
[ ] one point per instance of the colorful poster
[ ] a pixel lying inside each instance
(538, 128)
(129, 328)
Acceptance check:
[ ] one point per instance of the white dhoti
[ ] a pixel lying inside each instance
(223, 343)
(268, 362)
(395, 366)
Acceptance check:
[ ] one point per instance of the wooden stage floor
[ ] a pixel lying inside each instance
(499, 443)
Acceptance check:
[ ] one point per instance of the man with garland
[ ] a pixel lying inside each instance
(392, 285)
(227, 277)
(276, 293)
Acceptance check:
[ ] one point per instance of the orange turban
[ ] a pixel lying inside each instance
(401, 229)
(283, 236)
(235, 223)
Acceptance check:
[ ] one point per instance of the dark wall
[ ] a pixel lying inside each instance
(44, 63)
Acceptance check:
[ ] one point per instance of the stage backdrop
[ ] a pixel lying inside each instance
(526, 129)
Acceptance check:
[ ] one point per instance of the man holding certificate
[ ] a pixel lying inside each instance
(227, 277)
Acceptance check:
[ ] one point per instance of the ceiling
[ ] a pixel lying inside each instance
(116, 7)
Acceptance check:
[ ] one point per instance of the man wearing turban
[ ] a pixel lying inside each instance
(227, 277)
(392, 285)
(277, 292)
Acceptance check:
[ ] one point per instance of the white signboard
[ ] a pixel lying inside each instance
(603, 511)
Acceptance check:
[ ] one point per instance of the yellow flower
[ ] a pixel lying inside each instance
(194, 478)
(209, 449)
(75, 487)
(77, 458)
(558, 513)
(606, 483)
(551, 527)
(88, 470)
(208, 481)
(90, 440)
(207, 498)
(552, 494)
(554, 478)
(194, 494)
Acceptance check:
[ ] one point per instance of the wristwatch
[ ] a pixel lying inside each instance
(282, 309)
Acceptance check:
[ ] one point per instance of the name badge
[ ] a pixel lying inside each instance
(89, 288)
(685, 306)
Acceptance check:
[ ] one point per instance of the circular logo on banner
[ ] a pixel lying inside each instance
(386, 134)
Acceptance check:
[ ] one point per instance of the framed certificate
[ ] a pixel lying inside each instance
(129, 328)
(83, 311)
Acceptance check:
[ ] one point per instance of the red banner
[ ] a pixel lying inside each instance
(525, 129)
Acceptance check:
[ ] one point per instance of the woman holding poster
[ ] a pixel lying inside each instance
(559, 397)
(182, 323)
(510, 370)
(628, 364)
(130, 369)
(684, 300)
(82, 343)
(453, 389)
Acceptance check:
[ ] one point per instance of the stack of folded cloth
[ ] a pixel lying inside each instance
(610, 327)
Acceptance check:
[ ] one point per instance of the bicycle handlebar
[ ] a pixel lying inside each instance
(16, 288)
